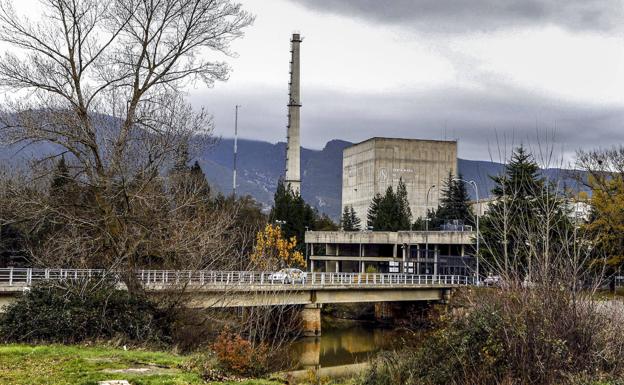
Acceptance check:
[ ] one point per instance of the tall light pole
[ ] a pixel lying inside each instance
(474, 184)
(235, 148)
(435, 261)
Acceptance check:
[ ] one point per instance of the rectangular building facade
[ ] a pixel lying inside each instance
(371, 166)
(411, 252)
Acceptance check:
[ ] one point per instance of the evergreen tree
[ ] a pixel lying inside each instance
(373, 211)
(454, 203)
(350, 221)
(513, 228)
(63, 188)
(198, 179)
(390, 212)
(405, 213)
(290, 208)
(356, 222)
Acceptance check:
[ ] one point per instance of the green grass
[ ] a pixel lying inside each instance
(60, 365)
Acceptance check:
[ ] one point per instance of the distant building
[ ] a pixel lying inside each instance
(371, 166)
(412, 252)
(481, 206)
(368, 168)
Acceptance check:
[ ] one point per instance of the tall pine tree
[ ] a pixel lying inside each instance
(63, 187)
(526, 218)
(391, 211)
(373, 210)
(454, 203)
(350, 221)
(404, 212)
(294, 214)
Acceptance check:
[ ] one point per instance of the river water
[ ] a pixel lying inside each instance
(351, 342)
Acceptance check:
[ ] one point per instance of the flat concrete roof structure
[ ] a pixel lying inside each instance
(414, 252)
(369, 167)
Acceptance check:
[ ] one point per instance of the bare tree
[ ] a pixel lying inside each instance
(103, 81)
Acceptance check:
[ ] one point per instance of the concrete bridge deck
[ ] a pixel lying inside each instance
(221, 289)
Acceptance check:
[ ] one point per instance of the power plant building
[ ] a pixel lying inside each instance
(369, 167)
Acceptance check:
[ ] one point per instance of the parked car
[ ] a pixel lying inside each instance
(289, 275)
(492, 280)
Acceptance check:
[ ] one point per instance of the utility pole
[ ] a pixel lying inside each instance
(235, 149)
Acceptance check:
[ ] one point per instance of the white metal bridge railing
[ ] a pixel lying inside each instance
(28, 276)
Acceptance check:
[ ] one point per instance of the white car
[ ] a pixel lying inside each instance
(288, 276)
(493, 280)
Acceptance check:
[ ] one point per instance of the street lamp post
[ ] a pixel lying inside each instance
(474, 184)
(435, 260)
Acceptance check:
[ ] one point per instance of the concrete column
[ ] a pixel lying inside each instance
(310, 357)
(337, 266)
(418, 259)
(311, 317)
(394, 251)
(463, 251)
(403, 267)
(383, 310)
(435, 260)
(311, 266)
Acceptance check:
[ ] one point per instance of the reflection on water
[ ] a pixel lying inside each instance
(343, 346)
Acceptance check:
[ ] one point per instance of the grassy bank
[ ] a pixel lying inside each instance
(60, 365)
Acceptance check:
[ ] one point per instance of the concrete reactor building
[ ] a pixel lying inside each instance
(369, 167)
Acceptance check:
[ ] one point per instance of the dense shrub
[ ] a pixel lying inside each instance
(76, 311)
(512, 336)
(239, 356)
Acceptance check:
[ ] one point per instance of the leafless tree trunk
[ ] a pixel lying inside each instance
(102, 81)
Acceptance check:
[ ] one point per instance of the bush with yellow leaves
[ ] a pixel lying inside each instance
(273, 250)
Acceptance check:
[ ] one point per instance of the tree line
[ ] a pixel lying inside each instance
(391, 211)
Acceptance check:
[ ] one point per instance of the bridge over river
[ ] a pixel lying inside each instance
(218, 289)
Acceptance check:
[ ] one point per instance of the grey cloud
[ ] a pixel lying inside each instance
(480, 120)
(447, 16)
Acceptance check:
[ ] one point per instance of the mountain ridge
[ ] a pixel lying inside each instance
(260, 165)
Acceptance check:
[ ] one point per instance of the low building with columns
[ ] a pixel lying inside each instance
(414, 252)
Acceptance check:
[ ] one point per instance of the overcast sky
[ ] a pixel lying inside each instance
(469, 70)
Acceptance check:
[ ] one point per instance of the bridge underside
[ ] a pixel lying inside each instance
(250, 298)
(283, 295)
(312, 298)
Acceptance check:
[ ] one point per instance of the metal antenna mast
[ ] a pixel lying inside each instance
(235, 148)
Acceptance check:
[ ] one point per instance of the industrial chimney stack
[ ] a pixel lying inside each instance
(293, 149)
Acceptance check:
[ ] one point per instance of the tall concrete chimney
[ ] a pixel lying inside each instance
(293, 146)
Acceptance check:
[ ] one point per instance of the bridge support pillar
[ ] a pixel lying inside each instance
(311, 317)
(383, 311)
